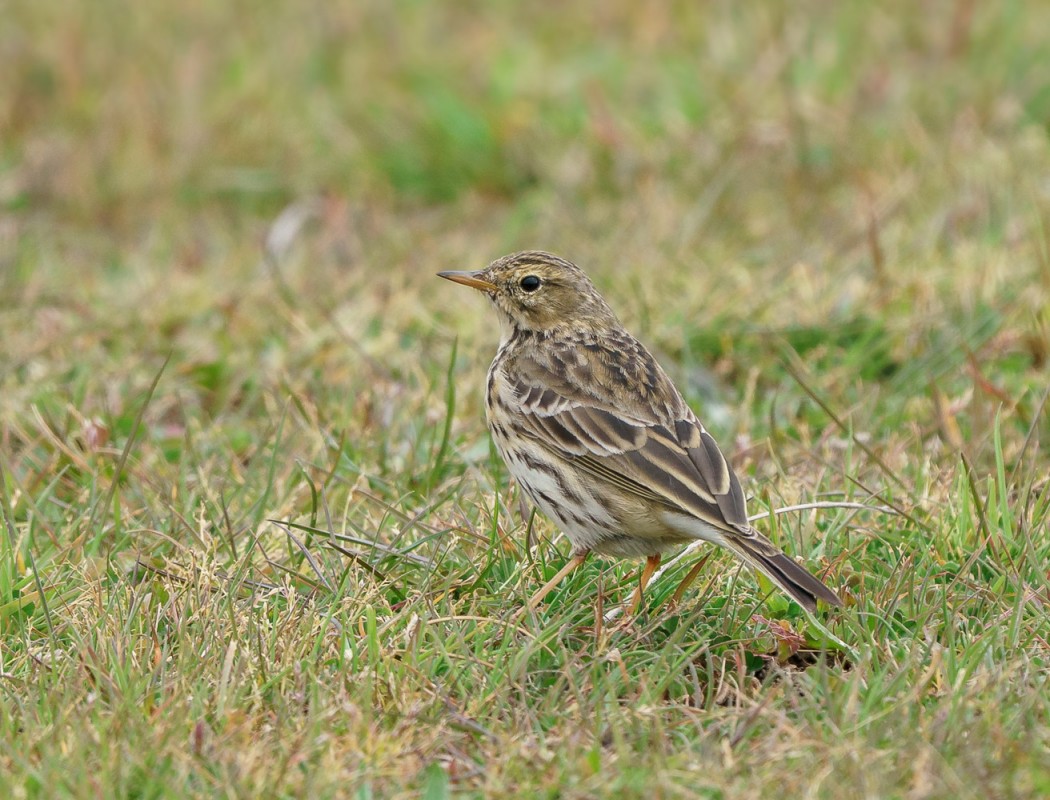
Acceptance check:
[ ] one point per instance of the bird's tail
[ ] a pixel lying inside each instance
(763, 555)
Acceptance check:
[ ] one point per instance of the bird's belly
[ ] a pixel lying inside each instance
(555, 488)
(585, 509)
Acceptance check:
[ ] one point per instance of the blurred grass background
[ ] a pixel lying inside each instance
(843, 200)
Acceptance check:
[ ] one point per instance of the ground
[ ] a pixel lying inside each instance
(256, 542)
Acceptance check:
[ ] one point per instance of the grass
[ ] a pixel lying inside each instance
(255, 539)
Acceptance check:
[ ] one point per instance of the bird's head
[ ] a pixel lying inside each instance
(538, 292)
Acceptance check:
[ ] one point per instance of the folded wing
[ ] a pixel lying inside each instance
(673, 462)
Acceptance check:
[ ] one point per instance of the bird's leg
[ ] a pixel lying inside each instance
(651, 563)
(578, 558)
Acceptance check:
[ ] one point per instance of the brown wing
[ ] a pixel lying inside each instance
(658, 451)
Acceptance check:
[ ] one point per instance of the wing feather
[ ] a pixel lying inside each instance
(675, 462)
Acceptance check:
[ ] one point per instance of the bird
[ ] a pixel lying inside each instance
(600, 439)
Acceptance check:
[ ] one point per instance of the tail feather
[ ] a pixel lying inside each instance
(796, 581)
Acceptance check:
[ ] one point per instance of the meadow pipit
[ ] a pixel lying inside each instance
(599, 437)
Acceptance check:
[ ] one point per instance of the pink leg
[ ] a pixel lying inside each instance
(546, 589)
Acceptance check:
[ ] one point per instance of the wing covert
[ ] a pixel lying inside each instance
(676, 463)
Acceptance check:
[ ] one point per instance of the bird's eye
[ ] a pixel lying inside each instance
(530, 283)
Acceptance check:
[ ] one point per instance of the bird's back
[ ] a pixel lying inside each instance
(607, 369)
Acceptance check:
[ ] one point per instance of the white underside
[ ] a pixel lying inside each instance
(694, 528)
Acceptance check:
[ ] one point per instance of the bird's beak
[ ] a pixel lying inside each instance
(471, 279)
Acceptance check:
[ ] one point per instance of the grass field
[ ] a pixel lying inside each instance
(256, 542)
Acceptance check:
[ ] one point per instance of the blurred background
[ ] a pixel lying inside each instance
(765, 161)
